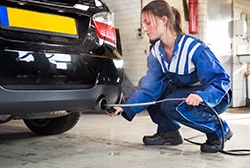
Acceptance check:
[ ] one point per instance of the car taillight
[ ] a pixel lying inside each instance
(104, 26)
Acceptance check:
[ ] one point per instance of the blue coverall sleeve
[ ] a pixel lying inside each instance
(152, 86)
(213, 78)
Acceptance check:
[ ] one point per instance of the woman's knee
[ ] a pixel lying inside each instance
(224, 104)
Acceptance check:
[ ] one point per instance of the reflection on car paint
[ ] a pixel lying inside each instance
(57, 69)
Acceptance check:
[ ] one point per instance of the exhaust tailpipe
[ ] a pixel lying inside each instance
(101, 104)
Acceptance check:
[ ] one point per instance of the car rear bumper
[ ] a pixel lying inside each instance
(32, 101)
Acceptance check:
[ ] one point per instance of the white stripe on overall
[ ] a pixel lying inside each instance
(186, 49)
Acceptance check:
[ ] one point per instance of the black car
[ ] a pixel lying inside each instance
(57, 59)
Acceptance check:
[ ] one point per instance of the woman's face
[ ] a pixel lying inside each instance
(154, 26)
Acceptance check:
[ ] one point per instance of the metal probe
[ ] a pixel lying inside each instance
(142, 104)
(110, 107)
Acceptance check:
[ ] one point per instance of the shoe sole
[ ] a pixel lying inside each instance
(175, 141)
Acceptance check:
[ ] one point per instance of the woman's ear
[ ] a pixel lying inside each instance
(164, 20)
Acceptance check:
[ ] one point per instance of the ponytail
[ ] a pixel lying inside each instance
(177, 22)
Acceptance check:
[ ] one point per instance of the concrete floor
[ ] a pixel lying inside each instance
(100, 141)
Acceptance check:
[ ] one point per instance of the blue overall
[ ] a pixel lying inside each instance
(193, 68)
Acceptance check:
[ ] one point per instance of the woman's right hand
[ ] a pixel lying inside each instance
(118, 111)
(193, 100)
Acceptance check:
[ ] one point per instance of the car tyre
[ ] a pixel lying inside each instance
(53, 125)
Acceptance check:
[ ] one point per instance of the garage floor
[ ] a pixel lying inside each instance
(100, 141)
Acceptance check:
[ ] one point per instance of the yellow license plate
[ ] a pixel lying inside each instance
(42, 22)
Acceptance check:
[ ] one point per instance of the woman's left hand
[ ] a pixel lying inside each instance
(118, 110)
(193, 100)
